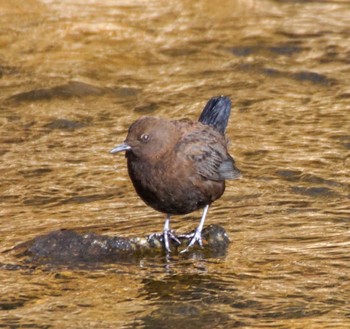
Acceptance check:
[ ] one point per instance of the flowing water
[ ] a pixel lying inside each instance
(75, 74)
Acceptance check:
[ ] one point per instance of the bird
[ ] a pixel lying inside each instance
(179, 166)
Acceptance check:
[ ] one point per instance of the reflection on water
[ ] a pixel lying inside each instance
(74, 76)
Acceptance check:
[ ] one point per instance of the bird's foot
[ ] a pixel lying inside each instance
(167, 236)
(196, 236)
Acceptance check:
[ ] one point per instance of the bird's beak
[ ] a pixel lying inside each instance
(121, 148)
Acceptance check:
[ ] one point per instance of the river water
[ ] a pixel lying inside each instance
(75, 74)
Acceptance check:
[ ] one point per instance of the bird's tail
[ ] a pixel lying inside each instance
(216, 113)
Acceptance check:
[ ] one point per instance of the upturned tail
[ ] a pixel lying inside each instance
(216, 113)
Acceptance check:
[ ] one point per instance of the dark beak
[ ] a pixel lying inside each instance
(121, 148)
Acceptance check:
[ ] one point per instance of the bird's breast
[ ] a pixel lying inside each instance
(172, 186)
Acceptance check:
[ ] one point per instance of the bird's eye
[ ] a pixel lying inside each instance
(144, 138)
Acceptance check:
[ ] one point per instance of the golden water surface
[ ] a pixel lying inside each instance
(75, 74)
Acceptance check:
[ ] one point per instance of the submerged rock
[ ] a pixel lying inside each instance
(71, 247)
(69, 90)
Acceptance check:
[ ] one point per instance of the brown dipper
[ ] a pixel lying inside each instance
(180, 166)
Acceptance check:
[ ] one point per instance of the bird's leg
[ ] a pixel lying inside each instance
(197, 235)
(168, 234)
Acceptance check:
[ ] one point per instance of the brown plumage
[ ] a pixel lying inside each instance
(180, 166)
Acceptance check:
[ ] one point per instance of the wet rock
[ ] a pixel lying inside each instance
(71, 247)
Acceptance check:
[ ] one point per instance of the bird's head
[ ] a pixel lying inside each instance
(149, 138)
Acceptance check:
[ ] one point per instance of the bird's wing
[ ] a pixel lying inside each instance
(206, 150)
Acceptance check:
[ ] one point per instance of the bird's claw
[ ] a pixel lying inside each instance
(167, 236)
(196, 236)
